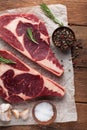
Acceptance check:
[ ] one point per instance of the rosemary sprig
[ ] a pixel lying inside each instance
(6, 61)
(49, 14)
(30, 35)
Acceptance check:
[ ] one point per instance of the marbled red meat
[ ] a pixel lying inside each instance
(19, 82)
(13, 30)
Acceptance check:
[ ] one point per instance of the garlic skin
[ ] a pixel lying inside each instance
(16, 113)
(5, 112)
(24, 114)
(5, 116)
(4, 107)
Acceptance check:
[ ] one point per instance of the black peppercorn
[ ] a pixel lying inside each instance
(64, 38)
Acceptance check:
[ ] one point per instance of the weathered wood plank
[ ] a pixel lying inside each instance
(81, 84)
(77, 10)
(81, 124)
(81, 62)
(81, 35)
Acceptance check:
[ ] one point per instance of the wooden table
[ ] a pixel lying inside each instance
(77, 17)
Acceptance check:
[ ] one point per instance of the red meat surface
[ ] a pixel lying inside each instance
(13, 30)
(19, 82)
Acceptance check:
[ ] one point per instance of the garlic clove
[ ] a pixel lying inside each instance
(24, 114)
(5, 107)
(44, 112)
(15, 113)
(5, 116)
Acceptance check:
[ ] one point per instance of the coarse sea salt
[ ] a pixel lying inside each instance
(44, 111)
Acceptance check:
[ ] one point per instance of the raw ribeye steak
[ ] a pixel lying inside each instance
(19, 82)
(13, 30)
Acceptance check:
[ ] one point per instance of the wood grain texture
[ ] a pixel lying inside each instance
(77, 9)
(81, 35)
(81, 84)
(81, 63)
(77, 15)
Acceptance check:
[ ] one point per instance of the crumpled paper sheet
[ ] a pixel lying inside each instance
(66, 108)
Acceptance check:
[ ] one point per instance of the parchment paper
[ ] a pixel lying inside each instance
(66, 108)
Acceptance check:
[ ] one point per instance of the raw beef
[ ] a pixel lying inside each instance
(19, 82)
(13, 30)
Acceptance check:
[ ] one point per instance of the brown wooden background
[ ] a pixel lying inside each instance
(77, 17)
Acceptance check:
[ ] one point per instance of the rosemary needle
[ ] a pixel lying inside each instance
(6, 61)
(30, 35)
(49, 14)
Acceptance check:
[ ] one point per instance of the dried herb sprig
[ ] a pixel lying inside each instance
(6, 61)
(30, 35)
(49, 14)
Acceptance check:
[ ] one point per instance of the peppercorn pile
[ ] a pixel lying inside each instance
(63, 38)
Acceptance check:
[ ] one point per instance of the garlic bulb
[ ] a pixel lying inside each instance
(5, 112)
(4, 107)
